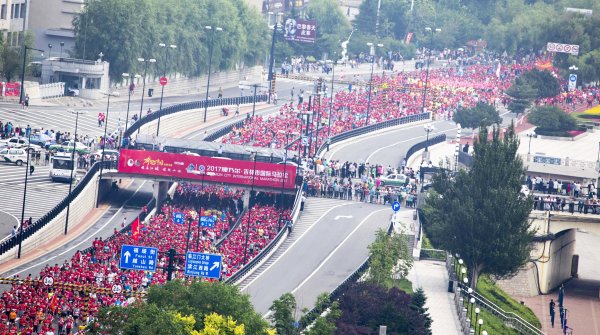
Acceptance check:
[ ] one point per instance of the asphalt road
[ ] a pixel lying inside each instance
(323, 257)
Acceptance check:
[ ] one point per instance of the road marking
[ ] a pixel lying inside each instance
(81, 242)
(296, 241)
(330, 254)
(404, 141)
(343, 217)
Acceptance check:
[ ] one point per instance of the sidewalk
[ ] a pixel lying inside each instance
(432, 277)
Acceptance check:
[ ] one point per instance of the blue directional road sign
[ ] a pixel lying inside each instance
(178, 217)
(207, 221)
(198, 264)
(135, 257)
(396, 206)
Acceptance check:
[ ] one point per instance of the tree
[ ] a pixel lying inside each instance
(203, 298)
(481, 214)
(521, 95)
(389, 255)
(366, 306)
(481, 114)
(141, 319)
(215, 324)
(552, 118)
(325, 325)
(543, 82)
(283, 314)
(418, 303)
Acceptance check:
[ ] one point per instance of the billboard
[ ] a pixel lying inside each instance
(300, 30)
(164, 164)
(572, 49)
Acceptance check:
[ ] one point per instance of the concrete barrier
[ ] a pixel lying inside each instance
(80, 207)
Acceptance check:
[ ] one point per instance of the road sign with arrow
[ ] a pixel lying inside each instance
(199, 264)
(135, 257)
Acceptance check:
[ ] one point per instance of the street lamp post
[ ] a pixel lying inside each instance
(162, 90)
(210, 53)
(428, 61)
(49, 50)
(372, 52)
(428, 129)
(24, 198)
(72, 165)
(255, 153)
(126, 75)
(331, 102)
(62, 44)
(145, 61)
(480, 323)
(283, 179)
(271, 57)
(25, 48)
(108, 94)
(530, 135)
(317, 123)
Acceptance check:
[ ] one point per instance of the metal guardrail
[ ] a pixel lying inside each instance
(54, 212)
(223, 131)
(373, 127)
(510, 319)
(265, 252)
(235, 225)
(189, 106)
(422, 145)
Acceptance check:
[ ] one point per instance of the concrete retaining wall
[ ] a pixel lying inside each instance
(80, 207)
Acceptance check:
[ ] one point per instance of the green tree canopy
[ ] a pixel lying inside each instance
(543, 82)
(481, 114)
(389, 255)
(552, 118)
(283, 314)
(481, 214)
(521, 96)
(366, 306)
(124, 30)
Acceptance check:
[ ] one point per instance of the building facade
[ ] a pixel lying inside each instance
(51, 22)
(13, 20)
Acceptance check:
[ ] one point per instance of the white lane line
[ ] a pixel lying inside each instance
(84, 240)
(331, 254)
(294, 243)
(404, 141)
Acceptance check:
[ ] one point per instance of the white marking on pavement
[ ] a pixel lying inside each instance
(296, 241)
(343, 217)
(330, 254)
(82, 241)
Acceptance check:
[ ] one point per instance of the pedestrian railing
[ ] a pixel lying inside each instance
(433, 254)
(422, 145)
(54, 212)
(231, 229)
(190, 106)
(509, 319)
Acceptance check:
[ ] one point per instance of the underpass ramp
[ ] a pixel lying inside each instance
(314, 208)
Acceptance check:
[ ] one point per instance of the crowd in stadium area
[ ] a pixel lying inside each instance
(37, 309)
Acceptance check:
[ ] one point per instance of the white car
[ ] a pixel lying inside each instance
(394, 180)
(14, 155)
(16, 142)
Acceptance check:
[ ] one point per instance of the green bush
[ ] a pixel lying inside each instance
(551, 132)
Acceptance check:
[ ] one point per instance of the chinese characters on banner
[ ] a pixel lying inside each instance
(206, 168)
(300, 30)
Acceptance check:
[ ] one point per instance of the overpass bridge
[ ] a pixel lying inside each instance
(553, 258)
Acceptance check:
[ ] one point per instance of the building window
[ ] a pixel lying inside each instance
(23, 10)
(12, 11)
(3, 12)
(17, 10)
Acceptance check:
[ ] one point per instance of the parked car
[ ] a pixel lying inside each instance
(67, 146)
(397, 179)
(42, 140)
(14, 155)
(16, 142)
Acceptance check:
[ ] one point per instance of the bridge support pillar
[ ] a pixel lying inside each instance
(556, 260)
(161, 193)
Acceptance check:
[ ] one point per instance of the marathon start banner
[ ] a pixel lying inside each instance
(212, 169)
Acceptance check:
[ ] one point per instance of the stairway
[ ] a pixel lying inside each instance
(313, 209)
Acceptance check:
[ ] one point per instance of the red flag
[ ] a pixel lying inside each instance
(135, 229)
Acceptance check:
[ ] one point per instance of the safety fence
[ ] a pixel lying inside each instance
(54, 212)
(422, 145)
(190, 106)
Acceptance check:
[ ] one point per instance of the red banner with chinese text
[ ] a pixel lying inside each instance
(212, 169)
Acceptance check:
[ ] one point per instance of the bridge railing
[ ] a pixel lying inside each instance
(422, 145)
(374, 127)
(189, 106)
(54, 212)
(241, 273)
